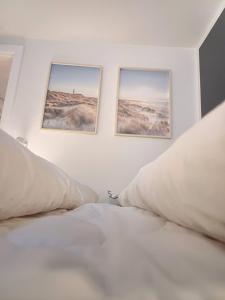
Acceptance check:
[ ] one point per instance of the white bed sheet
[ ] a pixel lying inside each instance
(10, 224)
(102, 251)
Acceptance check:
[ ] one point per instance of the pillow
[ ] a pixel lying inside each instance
(186, 184)
(30, 184)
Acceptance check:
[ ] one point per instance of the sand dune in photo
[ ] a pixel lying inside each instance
(70, 111)
(143, 118)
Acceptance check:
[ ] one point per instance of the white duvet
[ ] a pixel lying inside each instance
(101, 251)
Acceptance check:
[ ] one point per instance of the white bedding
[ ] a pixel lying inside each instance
(186, 184)
(30, 184)
(101, 251)
(10, 224)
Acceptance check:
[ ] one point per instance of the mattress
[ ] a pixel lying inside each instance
(7, 225)
(102, 252)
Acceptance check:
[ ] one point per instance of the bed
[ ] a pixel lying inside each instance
(165, 240)
(103, 251)
(13, 223)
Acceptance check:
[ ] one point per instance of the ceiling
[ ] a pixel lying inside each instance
(178, 23)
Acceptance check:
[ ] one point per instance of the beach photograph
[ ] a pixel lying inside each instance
(72, 98)
(143, 107)
(5, 67)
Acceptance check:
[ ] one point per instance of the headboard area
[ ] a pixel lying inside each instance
(212, 66)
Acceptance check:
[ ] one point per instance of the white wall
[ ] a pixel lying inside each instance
(103, 161)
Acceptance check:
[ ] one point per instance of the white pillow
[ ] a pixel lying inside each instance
(30, 184)
(187, 183)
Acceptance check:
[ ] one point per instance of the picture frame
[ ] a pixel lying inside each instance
(6, 61)
(72, 98)
(144, 105)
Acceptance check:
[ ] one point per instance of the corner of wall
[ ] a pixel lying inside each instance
(211, 24)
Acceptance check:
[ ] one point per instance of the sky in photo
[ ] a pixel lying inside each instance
(144, 85)
(84, 80)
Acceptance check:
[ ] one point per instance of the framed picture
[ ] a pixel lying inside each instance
(144, 104)
(5, 67)
(72, 98)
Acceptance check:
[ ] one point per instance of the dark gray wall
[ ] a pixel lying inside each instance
(212, 66)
